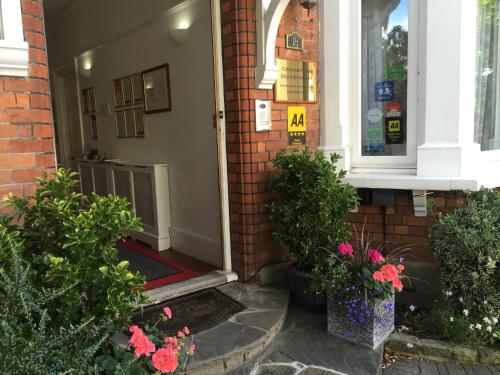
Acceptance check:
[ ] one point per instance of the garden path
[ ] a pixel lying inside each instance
(426, 367)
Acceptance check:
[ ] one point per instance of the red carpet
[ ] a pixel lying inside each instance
(147, 258)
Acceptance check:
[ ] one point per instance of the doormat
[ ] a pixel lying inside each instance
(198, 311)
(157, 270)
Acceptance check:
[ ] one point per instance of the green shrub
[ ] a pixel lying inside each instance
(467, 245)
(69, 241)
(312, 205)
(28, 344)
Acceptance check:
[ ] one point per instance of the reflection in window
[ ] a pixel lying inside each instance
(384, 77)
(487, 115)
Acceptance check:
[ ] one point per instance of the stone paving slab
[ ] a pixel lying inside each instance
(303, 347)
(427, 367)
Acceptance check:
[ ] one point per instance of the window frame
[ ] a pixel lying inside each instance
(14, 49)
(395, 164)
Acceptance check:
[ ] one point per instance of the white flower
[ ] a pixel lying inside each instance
(412, 308)
(489, 328)
(479, 326)
(451, 319)
(461, 299)
(486, 320)
(494, 335)
(466, 312)
(485, 302)
(471, 326)
(448, 293)
(495, 320)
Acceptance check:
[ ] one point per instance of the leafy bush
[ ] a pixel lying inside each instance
(28, 344)
(312, 205)
(467, 245)
(69, 241)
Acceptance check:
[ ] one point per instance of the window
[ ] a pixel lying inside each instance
(13, 48)
(487, 114)
(384, 77)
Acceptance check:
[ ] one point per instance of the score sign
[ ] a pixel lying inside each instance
(297, 126)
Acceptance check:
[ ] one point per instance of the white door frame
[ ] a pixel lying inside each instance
(221, 134)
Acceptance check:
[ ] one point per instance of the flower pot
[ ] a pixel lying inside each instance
(300, 286)
(354, 321)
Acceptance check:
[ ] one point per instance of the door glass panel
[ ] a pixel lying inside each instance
(384, 77)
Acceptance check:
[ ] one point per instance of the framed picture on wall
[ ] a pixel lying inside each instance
(120, 124)
(139, 122)
(91, 97)
(118, 92)
(93, 126)
(137, 91)
(156, 83)
(127, 90)
(129, 123)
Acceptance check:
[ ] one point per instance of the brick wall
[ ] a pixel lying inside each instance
(250, 154)
(26, 131)
(398, 226)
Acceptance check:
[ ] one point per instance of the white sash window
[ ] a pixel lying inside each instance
(13, 47)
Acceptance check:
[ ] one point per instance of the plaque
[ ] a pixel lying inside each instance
(296, 81)
(294, 41)
(297, 126)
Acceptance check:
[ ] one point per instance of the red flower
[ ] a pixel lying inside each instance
(171, 342)
(167, 312)
(165, 360)
(345, 248)
(375, 256)
(378, 276)
(141, 342)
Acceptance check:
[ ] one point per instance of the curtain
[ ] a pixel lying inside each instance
(487, 113)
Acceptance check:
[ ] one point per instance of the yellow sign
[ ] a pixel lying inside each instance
(393, 126)
(297, 126)
(296, 81)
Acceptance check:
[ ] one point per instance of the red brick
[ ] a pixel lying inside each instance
(7, 100)
(40, 101)
(33, 23)
(8, 131)
(26, 175)
(22, 100)
(5, 176)
(47, 160)
(25, 131)
(28, 145)
(11, 161)
(20, 116)
(33, 8)
(43, 131)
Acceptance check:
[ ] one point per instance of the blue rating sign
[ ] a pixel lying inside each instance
(384, 91)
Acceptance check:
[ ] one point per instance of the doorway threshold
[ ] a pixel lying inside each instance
(210, 280)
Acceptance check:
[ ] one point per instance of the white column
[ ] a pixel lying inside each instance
(336, 73)
(448, 122)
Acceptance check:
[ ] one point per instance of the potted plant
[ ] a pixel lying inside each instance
(310, 211)
(360, 285)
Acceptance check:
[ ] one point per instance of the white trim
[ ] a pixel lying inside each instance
(269, 13)
(14, 56)
(221, 136)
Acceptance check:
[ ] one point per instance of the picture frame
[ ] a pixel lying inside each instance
(139, 122)
(156, 86)
(93, 126)
(118, 92)
(137, 89)
(127, 90)
(120, 124)
(129, 123)
(91, 99)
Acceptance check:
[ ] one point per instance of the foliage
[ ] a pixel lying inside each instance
(467, 245)
(361, 271)
(29, 345)
(312, 204)
(69, 240)
(152, 352)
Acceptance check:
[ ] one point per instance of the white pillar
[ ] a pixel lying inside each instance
(448, 123)
(336, 73)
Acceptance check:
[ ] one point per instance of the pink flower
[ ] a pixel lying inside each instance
(186, 330)
(375, 256)
(171, 342)
(191, 349)
(345, 248)
(181, 334)
(378, 276)
(167, 312)
(141, 342)
(165, 360)
(400, 267)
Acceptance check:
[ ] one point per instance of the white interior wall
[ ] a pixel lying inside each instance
(125, 37)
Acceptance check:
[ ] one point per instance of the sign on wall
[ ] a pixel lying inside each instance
(294, 41)
(297, 126)
(296, 81)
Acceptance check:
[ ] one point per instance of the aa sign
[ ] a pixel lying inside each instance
(297, 126)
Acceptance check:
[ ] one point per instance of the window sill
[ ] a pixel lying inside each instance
(14, 58)
(412, 182)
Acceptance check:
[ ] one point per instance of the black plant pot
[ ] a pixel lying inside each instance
(300, 286)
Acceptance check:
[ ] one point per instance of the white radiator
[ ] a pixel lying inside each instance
(145, 185)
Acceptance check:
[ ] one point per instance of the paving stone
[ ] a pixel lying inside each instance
(494, 370)
(277, 357)
(276, 370)
(410, 367)
(464, 354)
(489, 356)
(316, 371)
(428, 367)
(400, 342)
(442, 368)
(265, 320)
(475, 369)
(455, 369)
(436, 348)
